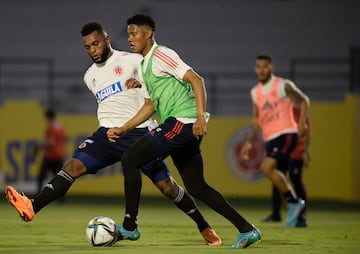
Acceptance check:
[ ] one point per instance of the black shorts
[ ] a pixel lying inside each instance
(176, 139)
(280, 149)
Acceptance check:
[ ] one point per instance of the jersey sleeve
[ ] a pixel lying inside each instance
(282, 91)
(169, 62)
(86, 79)
(253, 93)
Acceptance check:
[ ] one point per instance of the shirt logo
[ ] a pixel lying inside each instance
(117, 70)
(108, 91)
(85, 142)
(267, 106)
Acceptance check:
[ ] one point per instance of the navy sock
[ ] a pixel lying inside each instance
(55, 189)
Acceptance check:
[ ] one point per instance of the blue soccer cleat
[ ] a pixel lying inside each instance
(244, 240)
(123, 234)
(294, 212)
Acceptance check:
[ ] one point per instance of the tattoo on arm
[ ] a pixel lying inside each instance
(294, 93)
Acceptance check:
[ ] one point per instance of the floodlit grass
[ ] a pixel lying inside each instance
(60, 228)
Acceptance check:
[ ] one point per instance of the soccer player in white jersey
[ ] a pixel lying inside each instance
(106, 78)
(178, 96)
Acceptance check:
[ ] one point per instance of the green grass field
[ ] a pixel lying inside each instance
(60, 228)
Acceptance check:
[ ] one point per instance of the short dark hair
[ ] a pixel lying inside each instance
(92, 26)
(142, 20)
(264, 57)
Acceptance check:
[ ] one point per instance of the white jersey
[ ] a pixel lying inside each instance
(116, 103)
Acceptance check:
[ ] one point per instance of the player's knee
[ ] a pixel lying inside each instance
(268, 166)
(266, 171)
(74, 168)
(129, 160)
(196, 190)
(168, 188)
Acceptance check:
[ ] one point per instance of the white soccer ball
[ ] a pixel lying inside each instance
(101, 231)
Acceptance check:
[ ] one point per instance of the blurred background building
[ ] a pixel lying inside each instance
(41, 54)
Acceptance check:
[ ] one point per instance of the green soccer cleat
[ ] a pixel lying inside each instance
(123, 234)
(244, 240)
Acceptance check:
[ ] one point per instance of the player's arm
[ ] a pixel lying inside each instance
(297, 96)
(198, 86)
(252, 134)
(141, 116)
(133, 83)
(307, 140)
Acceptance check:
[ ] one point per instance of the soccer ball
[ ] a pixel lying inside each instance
(101, 231)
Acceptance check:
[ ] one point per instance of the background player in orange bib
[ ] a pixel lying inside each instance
(273, 99)
(299, 159)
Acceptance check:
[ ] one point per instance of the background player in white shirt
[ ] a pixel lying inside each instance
(106, 79)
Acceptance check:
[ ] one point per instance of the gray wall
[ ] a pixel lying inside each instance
(211, 35)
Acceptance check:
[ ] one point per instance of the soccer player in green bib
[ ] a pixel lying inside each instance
(178, 96)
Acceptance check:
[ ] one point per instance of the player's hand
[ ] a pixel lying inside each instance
(199, 128)
(246, 150)
(133, 83)
(114, 133)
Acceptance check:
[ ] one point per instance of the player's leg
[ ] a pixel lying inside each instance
(194, 181)
(59, 184)
(132, 160)
(275, 164)
(150, 147)
(190, 167)
(84, 161)
(276, 201)
(55, 189)
(189, 163)
(296, 177)
(54, 168)
(278, 178)
(91, 155)
(159, 173)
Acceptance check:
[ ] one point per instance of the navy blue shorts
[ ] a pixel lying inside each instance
(176, 139)
(280, 149)
(97, 152)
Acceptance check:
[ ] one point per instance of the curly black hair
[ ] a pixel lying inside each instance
(92, 26)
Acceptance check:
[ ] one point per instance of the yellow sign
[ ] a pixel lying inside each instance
(332, 173)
